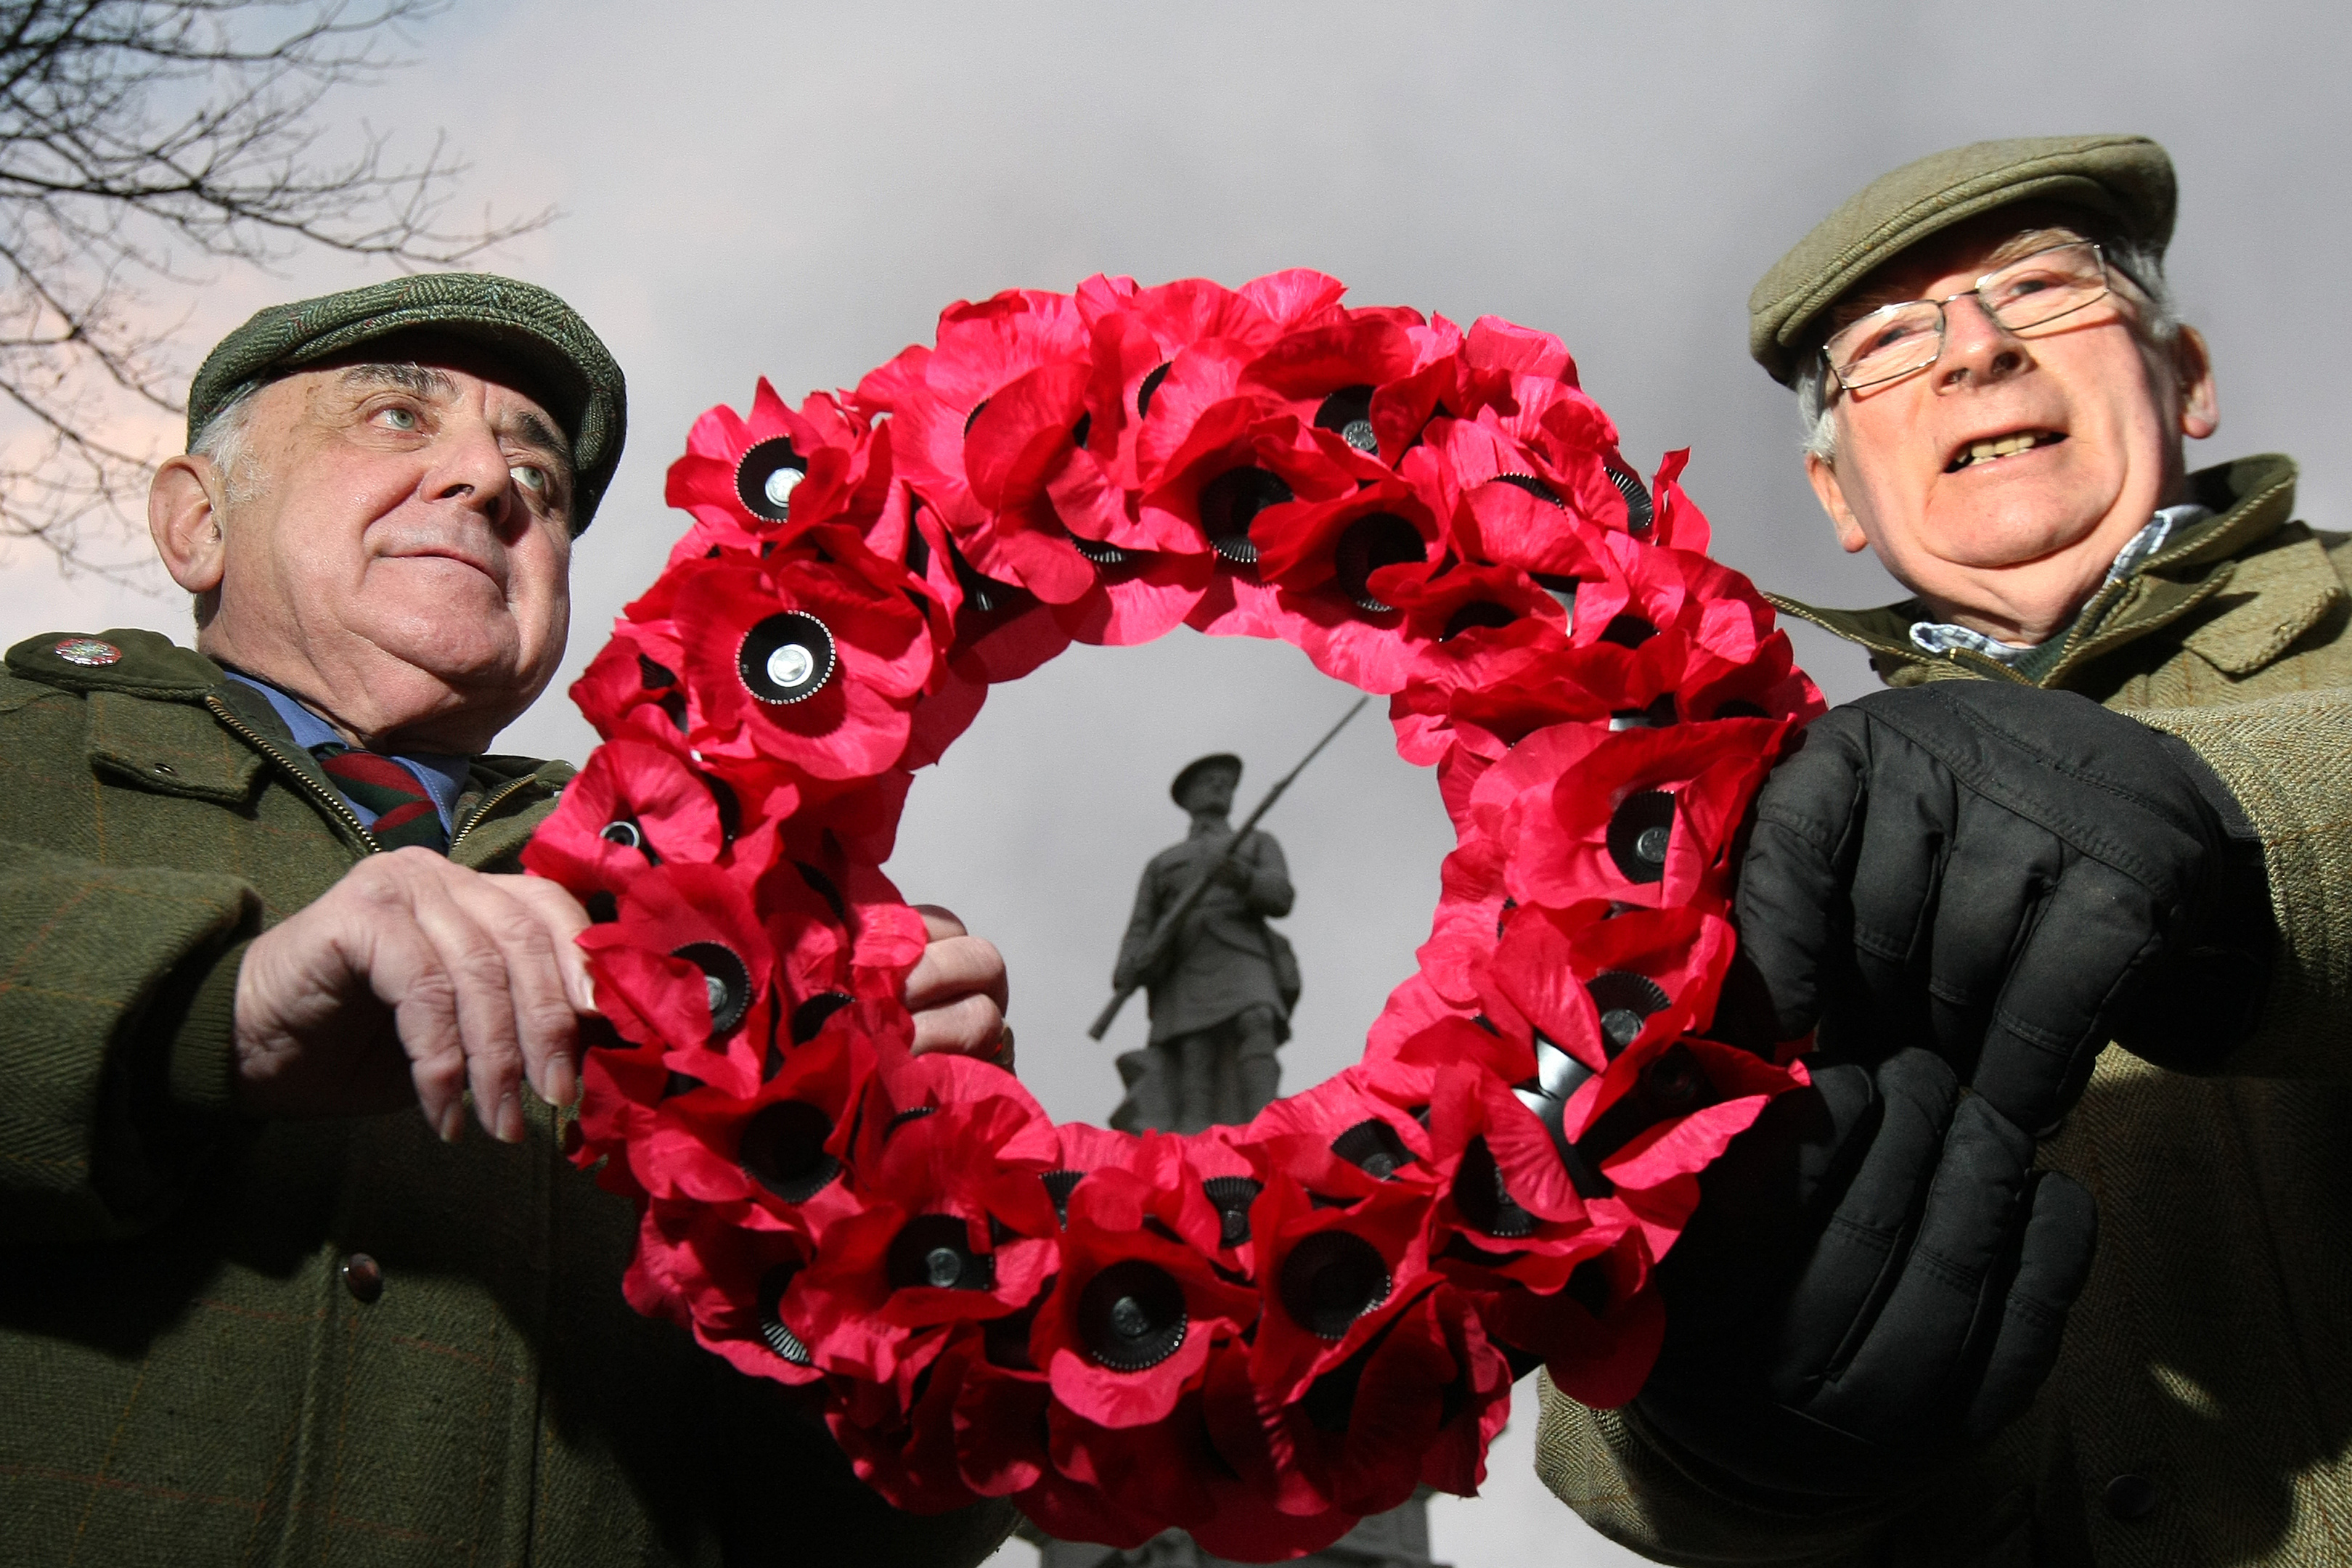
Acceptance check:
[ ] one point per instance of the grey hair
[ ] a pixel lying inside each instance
(2157, 322)
(223, 441)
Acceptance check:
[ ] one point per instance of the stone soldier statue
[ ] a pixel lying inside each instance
(1223, 988)
(1221, 1000)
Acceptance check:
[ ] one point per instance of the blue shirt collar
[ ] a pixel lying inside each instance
(444, 778)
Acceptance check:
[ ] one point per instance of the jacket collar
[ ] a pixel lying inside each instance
(123, 669)
(2253, 499)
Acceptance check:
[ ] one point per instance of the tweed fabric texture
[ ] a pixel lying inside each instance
(568, 364)
(188, 1379)
(2127, 178)
(2208, 1354)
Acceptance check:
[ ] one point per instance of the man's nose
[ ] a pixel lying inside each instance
(470, 467)
(1977, 348)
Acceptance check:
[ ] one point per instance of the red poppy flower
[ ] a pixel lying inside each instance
(685, 963)
(698, 1267)
(956, 1228)
(1028, 349)
(912, 1455)
(1130, 1326)
(1642, 816)
(1599, 1335)
(1597, 983)
(1330, 1274)
(632, 687)
(769, 478)
(802, 662)
(1136, 335)
(632, 806)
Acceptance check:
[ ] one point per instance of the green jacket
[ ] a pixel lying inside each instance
(2201, 1407)
(187, 1374)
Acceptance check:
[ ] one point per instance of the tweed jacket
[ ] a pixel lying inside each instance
(2202, 1404)
(195, 1364)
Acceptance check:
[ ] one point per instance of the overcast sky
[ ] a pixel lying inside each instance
(796, 191)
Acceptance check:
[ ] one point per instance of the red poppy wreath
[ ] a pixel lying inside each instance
(1259, 1333)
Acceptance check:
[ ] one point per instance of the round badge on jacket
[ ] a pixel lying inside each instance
(86, 651)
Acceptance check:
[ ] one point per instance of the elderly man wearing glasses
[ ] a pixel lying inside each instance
(1992, 1292)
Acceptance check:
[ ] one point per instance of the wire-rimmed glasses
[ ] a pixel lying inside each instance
(1895, 341)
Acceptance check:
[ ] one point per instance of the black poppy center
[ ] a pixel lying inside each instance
(1131, 1316)
(1152, 384)
(1628, 631)
(1376, 540)
(1373, 1147)
(786, 659)
(809, 1016)
(767, 476)
(1233, 1196)
(1534, 486)
(1349, 411)
(1331, 1278)
(1097, 552)
(1480, 1193)
(782, 1149)
(1639, 512)
(1231, 501)
(1059, 1186)
(935, 1250)
(726, 981)
(1476, 613)
(780, 1339)
(1625, 1001)
(1640, 831)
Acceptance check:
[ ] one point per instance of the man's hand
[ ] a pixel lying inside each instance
(1984, 869)
(957, 992)
(1875, 1277)
(414, 979)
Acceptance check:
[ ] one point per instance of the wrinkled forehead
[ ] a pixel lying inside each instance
(435, 367)
(1956, 258)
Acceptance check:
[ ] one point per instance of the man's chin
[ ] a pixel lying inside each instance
(2016, 522)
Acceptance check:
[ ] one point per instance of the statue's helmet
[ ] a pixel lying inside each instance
(1201, 768)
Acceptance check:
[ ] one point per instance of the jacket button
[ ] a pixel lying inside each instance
(2130, 1496)
(363, 1277)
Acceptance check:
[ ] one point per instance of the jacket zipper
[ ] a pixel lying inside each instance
(251, 737)
(482, 811)
(254, 737)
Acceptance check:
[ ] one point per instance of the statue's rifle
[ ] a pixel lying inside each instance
(1174, 921)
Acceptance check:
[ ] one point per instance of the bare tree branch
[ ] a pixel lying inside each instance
(144, 143)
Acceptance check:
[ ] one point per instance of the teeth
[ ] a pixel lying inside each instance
(1984, 451)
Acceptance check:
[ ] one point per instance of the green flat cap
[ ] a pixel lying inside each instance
(2128, 179)
(567, 365)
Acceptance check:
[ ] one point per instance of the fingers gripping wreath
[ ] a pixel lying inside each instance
(1259, 1333)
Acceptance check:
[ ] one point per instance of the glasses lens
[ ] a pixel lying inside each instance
(1886, 344)
(2045, 286)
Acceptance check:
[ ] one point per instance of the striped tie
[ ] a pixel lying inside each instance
(405, 815)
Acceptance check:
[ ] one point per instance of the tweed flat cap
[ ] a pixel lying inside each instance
(2128, 179)
(567, 365)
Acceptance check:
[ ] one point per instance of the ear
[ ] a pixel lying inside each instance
(1824, 481)
(2193, 365)
(184, 517)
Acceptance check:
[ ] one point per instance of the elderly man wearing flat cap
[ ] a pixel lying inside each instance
(252, 1306)
(1996, 1289)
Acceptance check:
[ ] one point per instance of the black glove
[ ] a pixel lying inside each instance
(1874, 1278)
(1997, 872)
